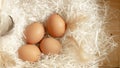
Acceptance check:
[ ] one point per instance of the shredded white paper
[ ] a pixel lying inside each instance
(85, 42)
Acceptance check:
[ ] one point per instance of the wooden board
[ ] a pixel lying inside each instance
(114, 29)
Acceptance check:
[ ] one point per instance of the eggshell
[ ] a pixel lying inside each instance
(55, 25)
(34, 33)
(29, 53)
(50, 46)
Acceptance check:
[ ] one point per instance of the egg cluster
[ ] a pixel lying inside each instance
(36, 32)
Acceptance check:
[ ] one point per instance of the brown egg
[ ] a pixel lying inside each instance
(34, 33)
(55, 25)
(50, 46)
(29, 53)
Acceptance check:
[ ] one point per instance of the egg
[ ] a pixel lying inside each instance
(50, 46)
(55, 25)
(29, 52)
(34, 33)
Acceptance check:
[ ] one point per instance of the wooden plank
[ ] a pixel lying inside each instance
(113, 27)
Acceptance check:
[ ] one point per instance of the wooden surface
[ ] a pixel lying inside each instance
(114, 29)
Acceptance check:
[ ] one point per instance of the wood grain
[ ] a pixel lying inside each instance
(113, 27)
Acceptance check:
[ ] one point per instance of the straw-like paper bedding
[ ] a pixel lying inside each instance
(85, 42)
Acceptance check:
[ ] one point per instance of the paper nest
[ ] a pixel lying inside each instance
(85, 42)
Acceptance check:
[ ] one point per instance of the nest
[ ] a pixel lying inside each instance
(85, 42)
